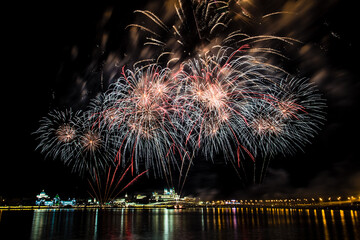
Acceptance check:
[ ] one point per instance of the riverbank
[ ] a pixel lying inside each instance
(151, 206)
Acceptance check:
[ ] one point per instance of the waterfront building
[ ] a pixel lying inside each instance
(69, 202)
(56, 200)
(119, 201)
(140, 197)
(42, 195)
(44, 200)
(167, 196)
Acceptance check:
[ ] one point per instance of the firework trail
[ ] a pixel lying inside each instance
(197, 26)
(106, 190)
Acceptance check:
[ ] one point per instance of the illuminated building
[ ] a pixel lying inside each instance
(44, 200)
(168, 195)
(140, 197)
(43, 195)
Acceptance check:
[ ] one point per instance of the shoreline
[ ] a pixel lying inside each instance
(147, 206)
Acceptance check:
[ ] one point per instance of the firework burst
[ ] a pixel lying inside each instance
(286, 121)
(58, 133)
(95, 147)
(217, 93)
(142, 101)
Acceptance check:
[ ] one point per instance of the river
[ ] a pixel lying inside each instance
(186, 224)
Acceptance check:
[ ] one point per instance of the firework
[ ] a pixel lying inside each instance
(215, 100)
(193, 26)
(226, 102)
(217, 93)
(58, 133)
(241, 107)
(198, 26)
(286, 121)
(106, 187)
(95, 147)
(102, 113)
(144, 110)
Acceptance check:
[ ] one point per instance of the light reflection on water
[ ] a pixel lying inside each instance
(192, 223)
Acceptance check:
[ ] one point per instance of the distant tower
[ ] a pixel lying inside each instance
(56, 200)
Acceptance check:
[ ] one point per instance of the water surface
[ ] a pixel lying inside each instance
(192, 223)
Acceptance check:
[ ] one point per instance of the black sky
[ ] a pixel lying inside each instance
(38, 43)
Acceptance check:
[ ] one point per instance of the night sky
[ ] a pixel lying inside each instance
(48, 48)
